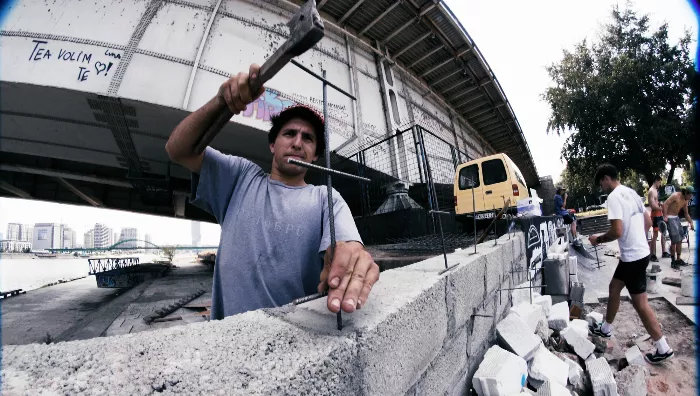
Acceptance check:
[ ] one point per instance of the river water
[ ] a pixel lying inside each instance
(28, 273)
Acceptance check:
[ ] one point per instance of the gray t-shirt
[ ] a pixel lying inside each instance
(272, 235)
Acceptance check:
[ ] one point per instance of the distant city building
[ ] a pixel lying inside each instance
(148, 240)
(131, 235)
(1, 237)
(115, 238)
(27, 233)
(89, 239)
(47, 236)
(69, 240)
(196, 233)
(14, 246)
(103, 236)
(14, 232)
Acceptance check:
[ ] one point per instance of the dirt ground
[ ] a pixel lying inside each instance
(676, 377)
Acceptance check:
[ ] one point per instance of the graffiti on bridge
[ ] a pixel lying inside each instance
(109, 264)
(119, 281)
(41, 52)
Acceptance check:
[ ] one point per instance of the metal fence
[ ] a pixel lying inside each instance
(412, 173)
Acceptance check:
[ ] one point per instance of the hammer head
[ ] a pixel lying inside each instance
(305, 29)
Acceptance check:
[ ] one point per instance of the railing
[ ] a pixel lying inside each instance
(110, 264)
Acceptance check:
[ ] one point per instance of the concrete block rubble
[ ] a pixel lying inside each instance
(553, 354)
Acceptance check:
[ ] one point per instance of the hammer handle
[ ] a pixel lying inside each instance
(266, 72)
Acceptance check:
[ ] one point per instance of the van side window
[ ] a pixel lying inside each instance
(494, 172)
(517, 174)
(467, 173)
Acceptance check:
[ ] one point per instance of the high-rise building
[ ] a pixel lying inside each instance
(115, 238)
(103, 236)
(1, 237)
(14, 232)
(196, 233)
(69, 240)
(89, 239)
(131, 235)
(148, 239)
(27, 233)
(47, 236)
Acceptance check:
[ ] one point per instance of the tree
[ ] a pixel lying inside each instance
(169, 252)
(625, 99)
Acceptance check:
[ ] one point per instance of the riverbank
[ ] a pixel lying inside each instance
(80, 310)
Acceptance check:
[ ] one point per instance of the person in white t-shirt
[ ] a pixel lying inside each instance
(628, 225)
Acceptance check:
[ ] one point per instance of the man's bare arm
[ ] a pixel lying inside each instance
(613, 233)
(234, 94)
(654, 200)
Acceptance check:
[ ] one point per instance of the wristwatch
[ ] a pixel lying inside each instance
(598, 240)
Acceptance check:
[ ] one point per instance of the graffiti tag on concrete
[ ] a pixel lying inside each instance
(41, 52)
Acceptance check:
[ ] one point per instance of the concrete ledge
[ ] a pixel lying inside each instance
(416, 335)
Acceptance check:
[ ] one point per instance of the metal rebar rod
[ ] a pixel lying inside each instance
(473, 184)
(309, 298)
(448, 268)
(329, 185)
(323, 79)
(596, 256)
(524, 287)
(483, 316)
(327, 170)
(441, 212)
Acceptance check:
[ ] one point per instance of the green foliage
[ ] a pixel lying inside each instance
(169, 252)
(625, 99)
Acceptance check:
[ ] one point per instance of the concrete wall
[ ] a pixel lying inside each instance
(146, 50)
(415, 336)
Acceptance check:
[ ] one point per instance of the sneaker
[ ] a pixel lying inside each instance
(653, 258)
(666, 255)
(682, 263)
(675, 265)
(596, 329)
(658, 358)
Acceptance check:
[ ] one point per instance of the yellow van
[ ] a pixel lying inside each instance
(496, 179)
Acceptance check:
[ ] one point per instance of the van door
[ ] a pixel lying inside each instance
(464, 190)
(496, 183)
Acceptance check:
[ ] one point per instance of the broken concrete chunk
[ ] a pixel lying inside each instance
(552, 389)
(594, 317)
(529, 313)
(547, 367)
(577, 377)
(500, 373)
(632, 381)
(580, 344)
(545, 302)
(634, 356)
(515, 335)
(559, 316)
(543, 331)
(602, 378)
(581, 327)
(601, 343)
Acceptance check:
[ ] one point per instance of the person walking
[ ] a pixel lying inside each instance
(627, 225)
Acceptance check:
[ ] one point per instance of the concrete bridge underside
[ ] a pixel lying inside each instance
(62, 145)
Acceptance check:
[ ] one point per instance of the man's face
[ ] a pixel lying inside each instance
(657, 184)
(688, 197)
(297, 140)
(606, 184)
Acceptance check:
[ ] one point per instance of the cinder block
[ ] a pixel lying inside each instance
(522, 296)
(559, 316)
(500, 373)
(634, 356)
(552, 389)
(515, 336)
(581, 327)
(529, 313)
(545, 302)
(580, 344)
(547, 367)
(573, 266)
(601, 377)
(577, 292)
(403, 326)
(446, 367)
(594, 317)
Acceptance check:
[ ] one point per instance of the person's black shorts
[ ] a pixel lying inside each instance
(655, 221)
(634, 274)
(568, 219)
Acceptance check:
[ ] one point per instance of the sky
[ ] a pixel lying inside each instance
(519, 39)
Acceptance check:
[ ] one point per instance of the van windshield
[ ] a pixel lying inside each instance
(467, 174)
(494, 172)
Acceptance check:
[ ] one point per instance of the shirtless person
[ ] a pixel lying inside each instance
(672, 206)
(657, 215)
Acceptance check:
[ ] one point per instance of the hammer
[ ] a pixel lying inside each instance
(305, 30)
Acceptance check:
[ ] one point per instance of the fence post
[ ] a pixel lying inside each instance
(436, 206)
